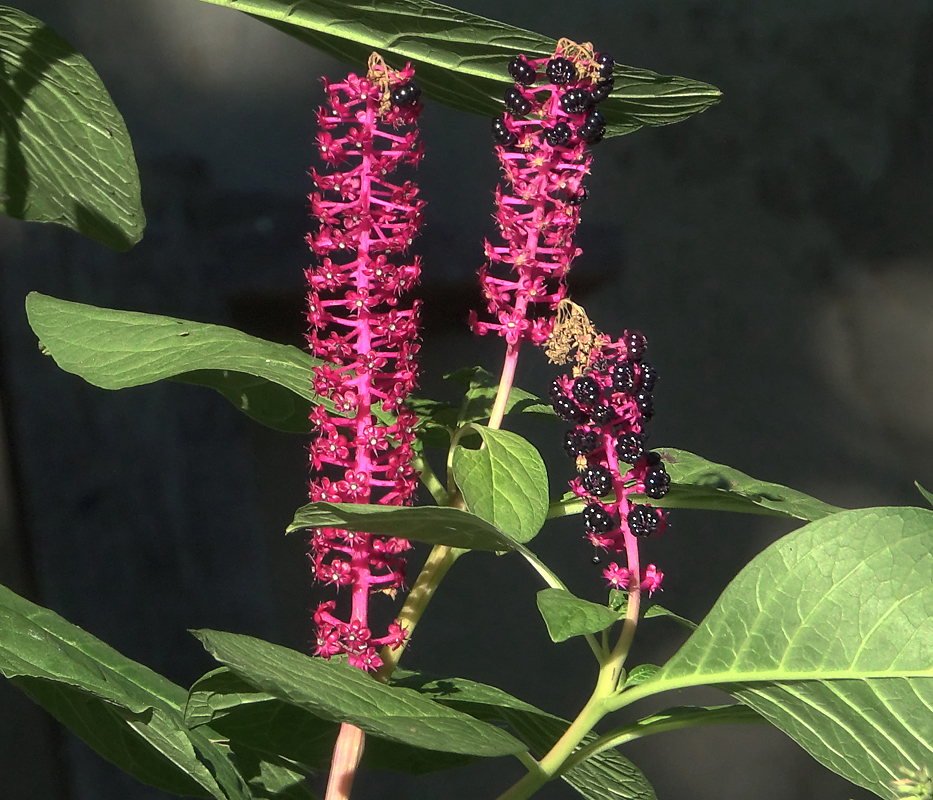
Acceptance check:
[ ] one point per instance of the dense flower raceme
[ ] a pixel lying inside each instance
(609, 398)
(361, 326)
(542, 144)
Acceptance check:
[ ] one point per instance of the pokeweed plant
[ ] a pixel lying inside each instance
(827, 634)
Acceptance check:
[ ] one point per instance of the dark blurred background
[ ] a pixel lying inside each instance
(777, 250)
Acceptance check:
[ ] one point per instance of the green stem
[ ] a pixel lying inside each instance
(430, 480)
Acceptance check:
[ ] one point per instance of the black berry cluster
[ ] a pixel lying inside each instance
(577, 85)
(609, 404)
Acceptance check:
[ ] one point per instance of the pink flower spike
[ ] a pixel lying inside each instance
(360, 323)
(542, 142)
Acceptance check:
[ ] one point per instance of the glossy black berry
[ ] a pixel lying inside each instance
(596, 560)
(645, 403)
(630, 447)
(601, 90)
(603, 415)
(635, 345)
(597, 480)
(559, 135)
(623, 377)
(652, 459)
(516, 102)
(578, 198)
(643, 521)
(597, 520)
(593, 130)
(606, 63)
(567, 410)
(585, 390)
(576, 101)
(649, 376)
(406, 95)
(521, 71)
(502, 134)
(657, 483)
(580, 443)
(560, 71)
(555, 389)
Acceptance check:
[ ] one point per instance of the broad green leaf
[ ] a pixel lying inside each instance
(698, 483)
(461, 59)
(261, 722)
(504, 482)
(659, 611)
(828, 634)
(430, 524)
(606, 776)
(566, 615)
(118, 349)
(928, 496)
(65, 154)
(129, 714)
(341, 693)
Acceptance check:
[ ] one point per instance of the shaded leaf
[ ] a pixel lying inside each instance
(566, 615)
(640, 673)
(65, 154)
(606, 776)
(261, 722)
(828, 634)
(505, 482)
(119, 349)
(462, 59)
(431, 524)
(129, 714)
(341, 693)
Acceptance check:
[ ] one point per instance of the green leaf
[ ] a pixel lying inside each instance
(606, 776)
(505, 482)
(698, 483)
(928, 496)
(129, 714)
(341, 693)
(828, 634)
(261, 722)
(118, 349)
(462, 59)
(65, 154)
(659, 611)
(640, 673)
(430, 524)
(566, 615)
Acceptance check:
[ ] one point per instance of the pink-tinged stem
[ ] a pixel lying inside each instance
(348, 751)
(505, 385)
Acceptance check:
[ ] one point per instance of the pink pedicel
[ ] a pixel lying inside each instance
(363, 325)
